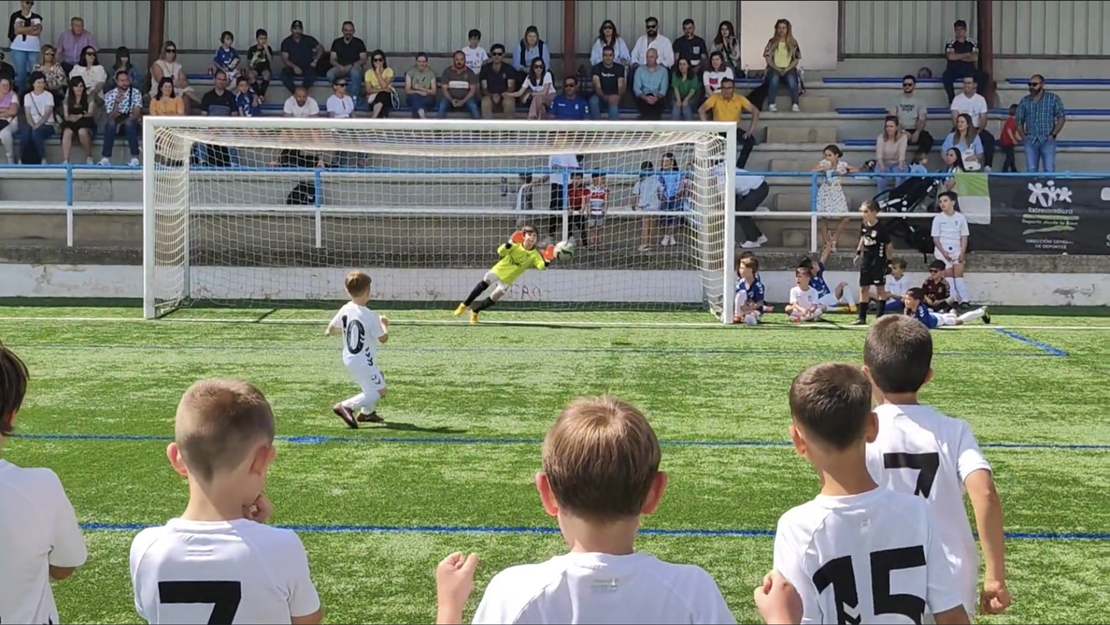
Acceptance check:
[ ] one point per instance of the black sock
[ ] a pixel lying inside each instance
(881, 309)
(862, 310)
(484, 304)
(478, 290)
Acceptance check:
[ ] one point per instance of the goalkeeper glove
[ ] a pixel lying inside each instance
(517, 238)
(548, 253)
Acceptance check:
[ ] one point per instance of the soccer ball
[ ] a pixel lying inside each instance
(564, 250)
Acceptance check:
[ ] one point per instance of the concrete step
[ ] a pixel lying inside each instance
(807, 103)
(801, 134)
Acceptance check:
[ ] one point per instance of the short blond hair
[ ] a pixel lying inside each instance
(357, 283)
(601, 458)
(217, 423)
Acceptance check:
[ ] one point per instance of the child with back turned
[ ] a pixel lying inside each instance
(857, 553)
(363, 330)
(42, 540)
(922, 452)
(218, 562)
(600, 476)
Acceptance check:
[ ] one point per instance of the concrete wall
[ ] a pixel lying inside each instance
(1028, 28)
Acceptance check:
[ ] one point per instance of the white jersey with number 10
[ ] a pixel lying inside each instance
(361, 328)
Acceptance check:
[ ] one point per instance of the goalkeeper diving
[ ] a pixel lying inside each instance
(518, 255)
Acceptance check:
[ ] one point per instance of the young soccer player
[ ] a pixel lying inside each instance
(218, 562)
(950, 234)
(920, 451)
(872, 254)
(935, 288)
(749, 292)
(363, 330)
(517, 256)
(42, 540)
(803, 304)
(827, 298)
(600, 476)
(599, 206)
(578, 199)
(916, 308)
(857, 553)
(897, 283)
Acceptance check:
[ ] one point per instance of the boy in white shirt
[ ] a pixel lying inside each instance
(803, 304)
(950, 235)
(922, 452)
(600, 476)
(42, 540)
(897, 283)
(363, 330)
(475, 54)
(218, 562)
(857, 553)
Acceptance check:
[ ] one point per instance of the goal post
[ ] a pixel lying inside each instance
(271, 211)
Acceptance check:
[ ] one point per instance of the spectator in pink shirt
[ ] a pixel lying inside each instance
(72, 42)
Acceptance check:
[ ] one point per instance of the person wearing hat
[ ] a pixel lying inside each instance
(301, 54)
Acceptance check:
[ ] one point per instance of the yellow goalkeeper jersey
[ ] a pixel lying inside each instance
(515, 260)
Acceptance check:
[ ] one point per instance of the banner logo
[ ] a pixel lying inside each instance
(1047, 195)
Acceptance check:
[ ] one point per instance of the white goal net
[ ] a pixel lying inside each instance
(275, 211)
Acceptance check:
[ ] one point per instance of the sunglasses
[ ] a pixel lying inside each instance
(378, 58)
(652, 26)
(497, 54)
(1034, 84)
(907, 84)
(171, 51)
(934, 271)
(570, 85)
(340, 84)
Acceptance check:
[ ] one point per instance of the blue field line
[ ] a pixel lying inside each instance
(494, 529)
(464, 440)
(1021, 338)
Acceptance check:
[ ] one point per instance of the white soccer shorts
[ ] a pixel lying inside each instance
(953, 251)
(369, 378)
(492, 279)
(829, 301)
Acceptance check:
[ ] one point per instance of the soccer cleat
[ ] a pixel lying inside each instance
(858, 322)
(986, 316)
(852, 308)
(473, 318)
(460, 310)
(371, 417)
(344, 413)
(737, 319)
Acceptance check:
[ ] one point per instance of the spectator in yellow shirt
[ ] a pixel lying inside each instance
(728, 107)
(379, 85)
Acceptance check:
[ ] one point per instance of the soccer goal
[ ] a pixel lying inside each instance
(275, 211)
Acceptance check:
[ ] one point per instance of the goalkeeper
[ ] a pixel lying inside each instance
(517, 256)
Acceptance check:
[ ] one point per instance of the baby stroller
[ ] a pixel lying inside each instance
(915, 195)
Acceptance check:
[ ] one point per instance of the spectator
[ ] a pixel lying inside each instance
(652, 40)
(71, 42)
(963, 55)
(609, 85)
(348, 60)
(476, 55)
(300, 105)
(123, 106)
(78, 113)
(751, 190)
(169, 67)
(538, 86)
(913, 115)
(301, 54)
(260, 58)
(690, 46)
(380, 95)
(686, 91)
(728, 44)
(166, 101)
(954, 163)
(38, 108)
(218, 102)
(340, 105)
(727, 106)
(498, 80)
(123, 63)
(975, 107)
(459, 88)
(9, 115)
(91, 72)
(528, 50)
(964, 140)
(226, 58)
(247, 101)
(607, 36)
(420, 87)
(1040, 118)
(1008, 138)
(650, 86)
(568, 105)
(715, 73)
(782, 55)
(56, 80)
(890, 154)
(24, 29)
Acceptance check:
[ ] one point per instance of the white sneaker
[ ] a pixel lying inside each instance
(762, 239)
(89, 161)
(795, 108)
(134, 162)
(105, 162)
(750, 245)
(772, 109)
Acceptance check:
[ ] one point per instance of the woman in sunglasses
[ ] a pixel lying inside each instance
(379, 85)
(538, 86)
(169, 67)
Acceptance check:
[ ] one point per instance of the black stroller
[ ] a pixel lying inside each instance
(915, 195)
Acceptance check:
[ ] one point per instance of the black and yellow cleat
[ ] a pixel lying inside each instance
(460, 310)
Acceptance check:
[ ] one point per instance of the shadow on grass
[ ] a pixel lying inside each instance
(398, 426)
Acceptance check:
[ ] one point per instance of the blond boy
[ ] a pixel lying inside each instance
(363, 330)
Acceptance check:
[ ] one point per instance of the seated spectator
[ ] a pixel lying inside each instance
(166, 101)
(226, 58)
(690, 46)
(782, 55)
(56, 80)
(1040, 117)
(963, 58)
(420, 87)
(77, 114)
(964, 140)
(890, 154)
(348, 60)
(9, 116)
(24, 30)
(123, 62)
(169, 67)
(530, 48)
(650, 87)
(539, 88)
(300, 105)
(728, 106)
(568, 105)
(476, 55)
(607, 36)
(459, 88)
(912, 114)
(260, 58)
(72, 42)
(686, 92)
(498, 81)
(652, 40)
(954, 163)
(247, 101)
(91, 72)
(728, 44)
(219, 102)
(123, 106)
(340, 105)
(608, 78)
(975, 107)
(715, 73)
(38, 109)
(380, 94)
(301, 54)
